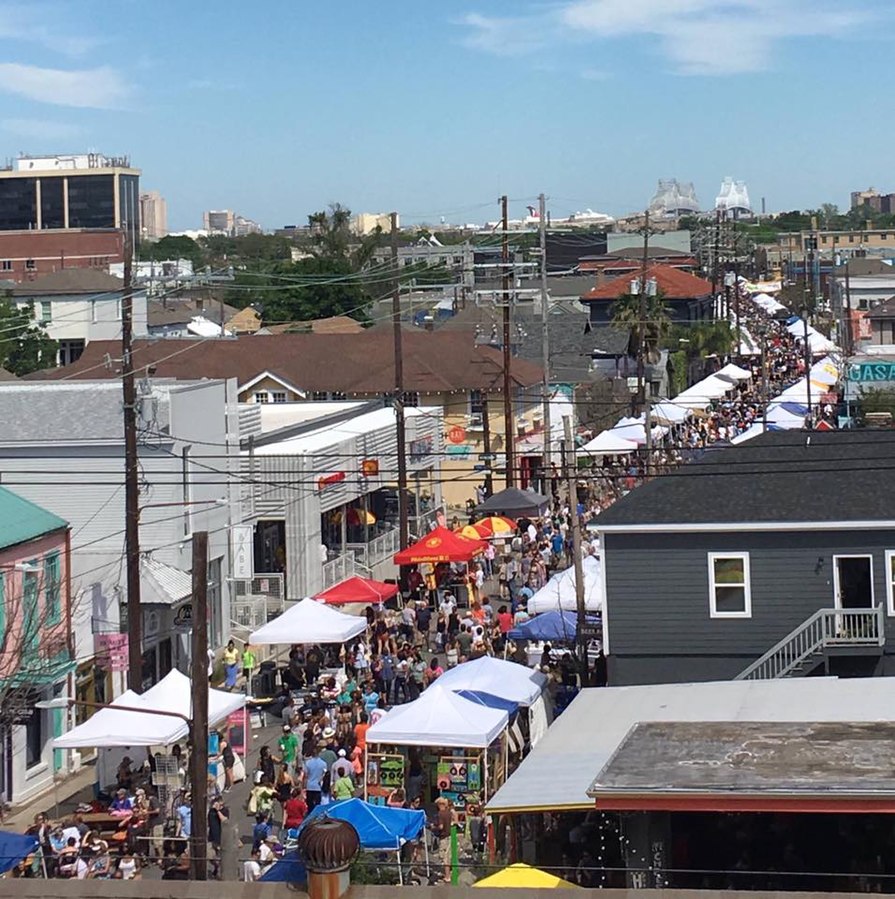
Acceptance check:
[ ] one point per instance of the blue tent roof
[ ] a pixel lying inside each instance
(13, 848)
(555, 626)
(490, 700)
(289, 869)
(377, 826)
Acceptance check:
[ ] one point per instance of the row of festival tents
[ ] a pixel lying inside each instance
(630, 433)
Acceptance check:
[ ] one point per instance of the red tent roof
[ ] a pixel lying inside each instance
(358, 589)
(440, 545)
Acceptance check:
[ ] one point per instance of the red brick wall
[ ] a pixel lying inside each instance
(49, 251)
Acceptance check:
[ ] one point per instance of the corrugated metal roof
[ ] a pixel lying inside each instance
(164, 584)
(21, 520)
(557, 774)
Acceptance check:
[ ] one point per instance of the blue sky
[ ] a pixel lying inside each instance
(276, 108)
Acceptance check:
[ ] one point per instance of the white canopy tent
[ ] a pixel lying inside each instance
(799, 393)
(797, 329)
(507, 680)
(783, 419)
(632, 429)
(439, 718)
(115, 727)
(559, 592)
(826, 371)
(768, 303)
(734, 372)
(752, 431)
(607, 443)
(748, 345)
(818, 344)
(309, 621)
(668, 413)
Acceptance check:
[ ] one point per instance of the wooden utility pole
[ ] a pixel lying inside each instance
(486, 445)
(508, 421)
(131, 478)
(545, 337)
(199, 685)
(400, 433)
(642, 389)
(581, 630)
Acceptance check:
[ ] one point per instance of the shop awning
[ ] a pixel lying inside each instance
(358, 589)
(440, 545)
(309, 621)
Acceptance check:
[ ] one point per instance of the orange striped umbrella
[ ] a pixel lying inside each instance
(494, 526)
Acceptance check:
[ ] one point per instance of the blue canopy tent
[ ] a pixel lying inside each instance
(14, 847)
(379, 828)
(555, 626)
(289, 869)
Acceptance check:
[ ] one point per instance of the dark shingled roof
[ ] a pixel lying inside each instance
(70, 281)
(781, 476)
(434, 362)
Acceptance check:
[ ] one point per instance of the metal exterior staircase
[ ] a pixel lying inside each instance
(826, 630)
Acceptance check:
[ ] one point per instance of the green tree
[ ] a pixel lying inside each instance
(626, 314)
(173, 247)
(24, 344)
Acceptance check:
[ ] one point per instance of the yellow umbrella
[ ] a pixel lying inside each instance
(524, 876)
(470, 532)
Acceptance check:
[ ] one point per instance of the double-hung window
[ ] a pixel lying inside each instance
(890, 581)
(730, 594)
(52, 589)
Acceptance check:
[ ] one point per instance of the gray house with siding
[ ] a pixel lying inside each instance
(771, 559)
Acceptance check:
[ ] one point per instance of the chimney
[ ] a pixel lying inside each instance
(328, 847)
(601, 277)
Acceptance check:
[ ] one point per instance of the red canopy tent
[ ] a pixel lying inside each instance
(440, 545)
(358, 589)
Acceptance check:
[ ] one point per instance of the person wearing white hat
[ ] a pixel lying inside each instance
(341, 767)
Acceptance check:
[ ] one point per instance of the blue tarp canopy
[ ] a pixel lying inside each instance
(490, 700)
(555, 626)
(289, 869)
(13, 848)
(377, 826)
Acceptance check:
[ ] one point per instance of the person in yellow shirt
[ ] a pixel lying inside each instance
(231, 665)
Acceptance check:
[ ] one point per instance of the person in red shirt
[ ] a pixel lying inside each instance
(504, 620)
(360, 731)
(294, 810)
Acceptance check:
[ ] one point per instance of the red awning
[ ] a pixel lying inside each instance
(440, 545)
(358, 589)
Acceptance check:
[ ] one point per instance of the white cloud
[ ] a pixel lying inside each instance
(40, 129)
(100, 88)
(28, 23)
(698, 37)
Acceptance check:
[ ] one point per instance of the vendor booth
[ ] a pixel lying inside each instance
(608, 443)
(440, 545)
(309, 621)
(514, 502)
(358, 589)
(559, 592)
(465, 742)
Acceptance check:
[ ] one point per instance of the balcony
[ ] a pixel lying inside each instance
(255, 602)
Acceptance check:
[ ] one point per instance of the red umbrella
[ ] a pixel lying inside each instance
(440, 545)
(358, 589)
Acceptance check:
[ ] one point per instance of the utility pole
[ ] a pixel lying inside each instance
(486, 443)
(847, 343)
(545, 336)
(131, 478)
(199, 686)
(716, 254)
(641, 348)
(580, 630)
(400, 435)
(508, 421)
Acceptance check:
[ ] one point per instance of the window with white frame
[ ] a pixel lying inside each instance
(890, 581)
(730, 594)
(261, 396)
(278, 396)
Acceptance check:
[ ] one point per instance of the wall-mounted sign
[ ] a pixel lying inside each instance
(243, 552)
(111, 651)
(459, 452)
(864, 372)
(456, 434)
(183, 617)
(421, 448)
(328, 480)
(369, 468)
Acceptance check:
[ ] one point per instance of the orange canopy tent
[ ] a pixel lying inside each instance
(440, 545)
(358, 589)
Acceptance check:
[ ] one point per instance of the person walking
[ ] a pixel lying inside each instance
(248, 665)
(231, 665)
(315, 771)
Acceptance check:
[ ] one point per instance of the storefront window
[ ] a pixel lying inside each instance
(34, 738)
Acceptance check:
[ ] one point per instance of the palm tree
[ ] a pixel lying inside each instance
(654, 328)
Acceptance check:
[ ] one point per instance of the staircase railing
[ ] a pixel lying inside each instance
(824, 629)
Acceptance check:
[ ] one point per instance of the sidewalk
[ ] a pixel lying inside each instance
(66, 794)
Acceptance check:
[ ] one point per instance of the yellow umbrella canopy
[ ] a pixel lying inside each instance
(524, 876)
(470, 532)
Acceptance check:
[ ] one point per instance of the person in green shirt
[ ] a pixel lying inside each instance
(343, 788)
(288, 746)
(248, 664)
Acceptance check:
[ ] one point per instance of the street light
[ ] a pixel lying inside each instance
(804, 313)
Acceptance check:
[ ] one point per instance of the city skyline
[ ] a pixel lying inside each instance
(434, 112)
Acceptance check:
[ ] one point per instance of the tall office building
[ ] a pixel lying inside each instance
(219, 221)
(153, 215)
(66, 211)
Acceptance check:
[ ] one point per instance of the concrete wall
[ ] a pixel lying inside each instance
(657, 588)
